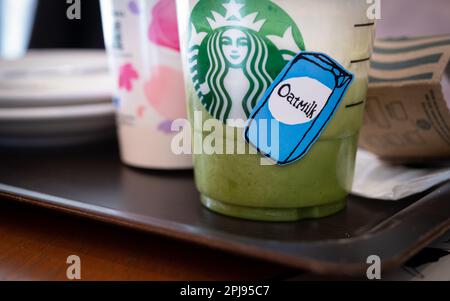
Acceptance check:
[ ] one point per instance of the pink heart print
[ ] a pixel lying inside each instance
(165, 92)
(127, 74)
(163, 29)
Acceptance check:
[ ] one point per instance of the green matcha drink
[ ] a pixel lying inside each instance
(232, 52)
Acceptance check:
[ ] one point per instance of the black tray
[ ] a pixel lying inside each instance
(91, 182)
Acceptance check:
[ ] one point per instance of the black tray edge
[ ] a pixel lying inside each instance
(314, 264)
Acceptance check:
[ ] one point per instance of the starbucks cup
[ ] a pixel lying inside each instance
(233, 51)
(141, 38)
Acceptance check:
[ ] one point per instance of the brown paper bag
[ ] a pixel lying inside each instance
(407, 117)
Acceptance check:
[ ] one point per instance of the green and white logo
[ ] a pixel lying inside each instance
(236, 49)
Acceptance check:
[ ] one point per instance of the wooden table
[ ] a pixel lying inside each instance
(35, 244)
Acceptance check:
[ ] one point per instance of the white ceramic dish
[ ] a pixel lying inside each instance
(55, 77)
(57, 112)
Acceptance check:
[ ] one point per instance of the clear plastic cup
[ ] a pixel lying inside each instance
(232, 50)
(141, 38)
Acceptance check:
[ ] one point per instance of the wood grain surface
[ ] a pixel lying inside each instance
(35, 243)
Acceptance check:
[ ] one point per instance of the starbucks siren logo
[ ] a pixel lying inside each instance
(236, 50)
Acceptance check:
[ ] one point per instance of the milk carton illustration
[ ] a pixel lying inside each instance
(301, 102)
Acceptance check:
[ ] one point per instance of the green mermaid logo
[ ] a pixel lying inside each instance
(236, 49)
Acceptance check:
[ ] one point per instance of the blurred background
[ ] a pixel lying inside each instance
(52, 28)
(414, 18)
(45, 24)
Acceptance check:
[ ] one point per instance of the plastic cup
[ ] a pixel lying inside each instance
(232, 50)
(141, 38)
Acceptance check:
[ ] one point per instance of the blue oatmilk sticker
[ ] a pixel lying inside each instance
(300, 103)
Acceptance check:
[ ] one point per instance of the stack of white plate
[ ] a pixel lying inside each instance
(57, 97)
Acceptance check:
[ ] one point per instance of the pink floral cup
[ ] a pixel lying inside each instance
(141, 37)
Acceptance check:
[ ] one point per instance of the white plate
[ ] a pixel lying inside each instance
(55, 77)
(53, 113)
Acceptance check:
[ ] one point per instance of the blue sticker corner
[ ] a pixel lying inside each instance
(297, 107)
